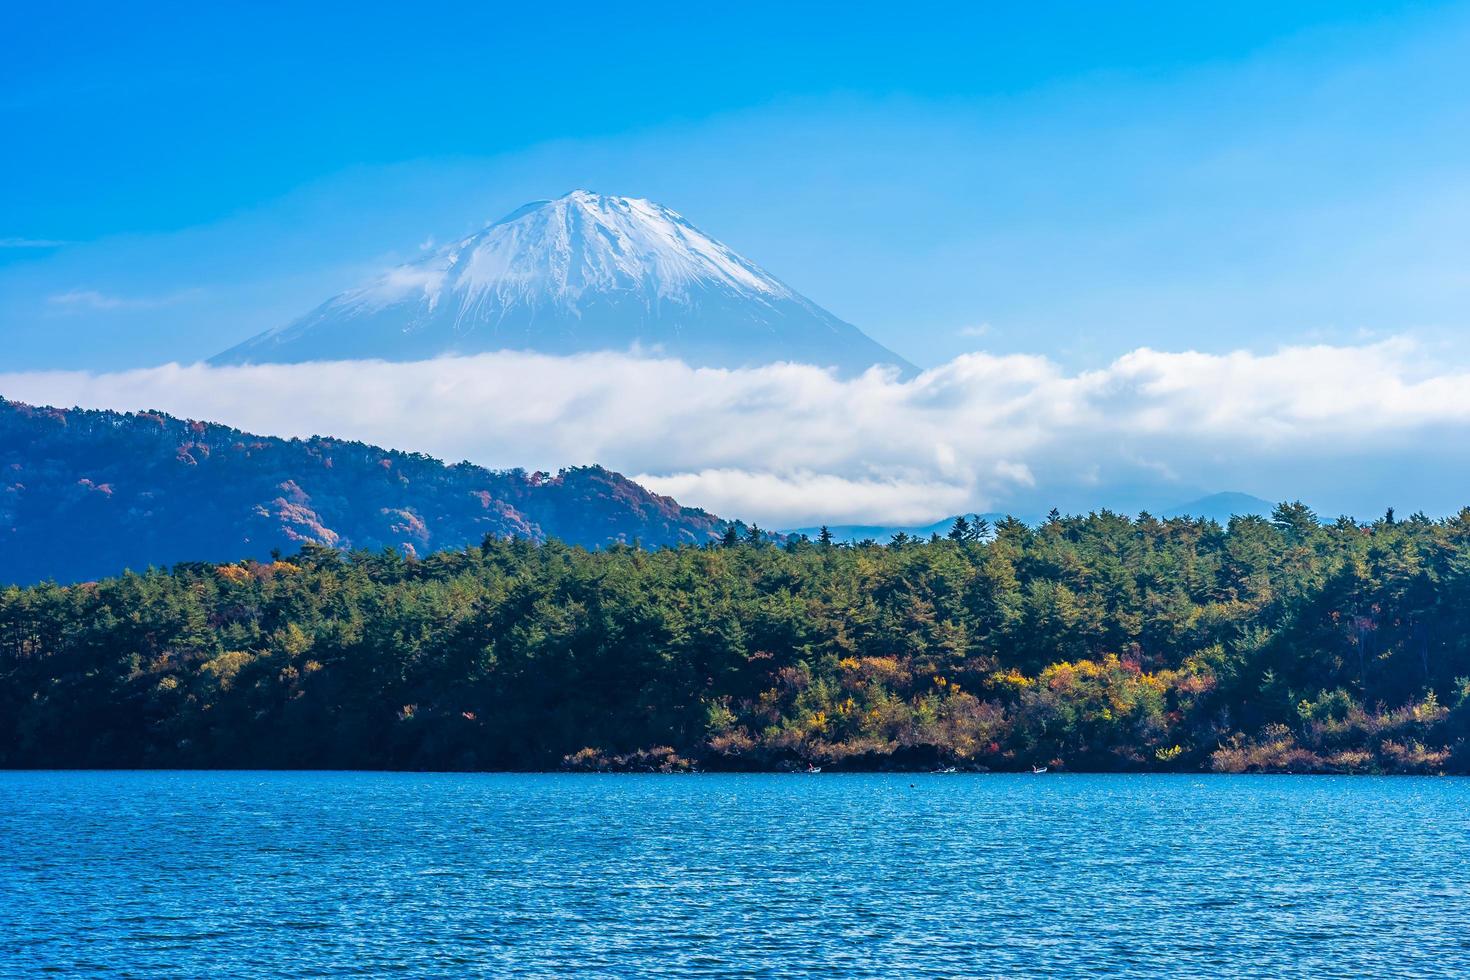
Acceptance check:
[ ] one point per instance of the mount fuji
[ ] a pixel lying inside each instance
(585, 272)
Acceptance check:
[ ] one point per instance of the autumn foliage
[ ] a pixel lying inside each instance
(1099, 642)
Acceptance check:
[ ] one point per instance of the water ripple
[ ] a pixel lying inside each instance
(352, 874)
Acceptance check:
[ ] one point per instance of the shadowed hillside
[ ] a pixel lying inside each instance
(85, 494)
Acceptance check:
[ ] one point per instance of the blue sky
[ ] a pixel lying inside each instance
(1071, 179)
(148, 121)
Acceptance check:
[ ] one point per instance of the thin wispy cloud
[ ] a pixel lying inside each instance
(791, 444)
(32, 242)
(97, 301)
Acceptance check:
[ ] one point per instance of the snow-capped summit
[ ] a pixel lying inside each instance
(581, 273)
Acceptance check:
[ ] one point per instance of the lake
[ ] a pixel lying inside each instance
(195, 874)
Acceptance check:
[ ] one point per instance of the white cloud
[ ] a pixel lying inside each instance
(800, 498)
(974, 330)
(791, 444)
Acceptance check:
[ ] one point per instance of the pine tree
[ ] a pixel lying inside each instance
(824, 537)
(961, 529)
(1296, 520)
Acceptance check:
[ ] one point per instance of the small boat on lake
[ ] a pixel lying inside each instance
(810, 769)
(1037, 770)
(945, 770)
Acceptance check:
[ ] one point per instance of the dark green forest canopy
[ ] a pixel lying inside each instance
(1098, 642)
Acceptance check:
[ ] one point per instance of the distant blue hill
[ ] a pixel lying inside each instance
(853, 533)
(1222, 506)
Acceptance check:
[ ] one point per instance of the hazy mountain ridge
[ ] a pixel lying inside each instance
(581, 273)
(1219, 507)
(1223, 506)
(87, 493)
(855, 533)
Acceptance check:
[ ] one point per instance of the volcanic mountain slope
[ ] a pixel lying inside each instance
(86, 493)
(584, 272)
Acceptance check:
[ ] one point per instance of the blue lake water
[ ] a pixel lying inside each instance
(373, 874)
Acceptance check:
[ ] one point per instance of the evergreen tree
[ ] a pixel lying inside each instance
(1108, 643)
(1296, 520)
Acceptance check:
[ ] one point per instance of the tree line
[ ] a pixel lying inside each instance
(1097, 642)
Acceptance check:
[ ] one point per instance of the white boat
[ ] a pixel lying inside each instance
(1037, 770)
(946, 770)
(811, 770)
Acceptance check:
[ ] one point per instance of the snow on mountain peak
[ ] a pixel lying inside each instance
(561, 249)
(585, 241)
(585, 271)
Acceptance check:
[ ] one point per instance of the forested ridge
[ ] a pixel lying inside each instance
(89, 493)
(1096, 642)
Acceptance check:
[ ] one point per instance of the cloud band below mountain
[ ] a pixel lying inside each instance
(1347, 428)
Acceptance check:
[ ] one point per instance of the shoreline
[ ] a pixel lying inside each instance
(824, 771)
